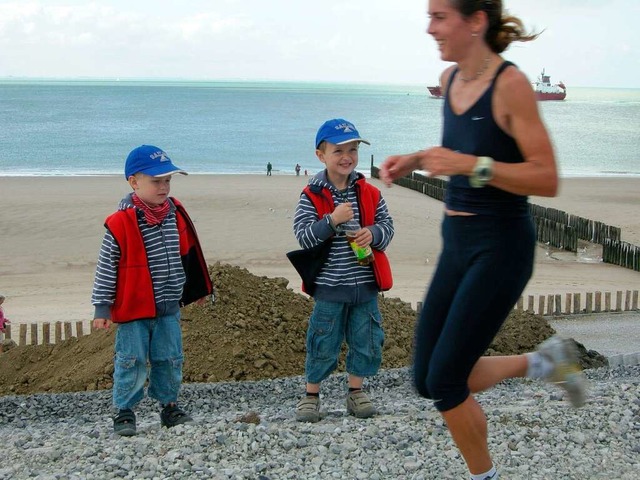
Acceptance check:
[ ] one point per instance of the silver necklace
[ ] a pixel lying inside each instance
(485, 65)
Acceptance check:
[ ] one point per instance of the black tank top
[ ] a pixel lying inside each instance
(475, 132)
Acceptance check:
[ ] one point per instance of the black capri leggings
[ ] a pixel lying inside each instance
(483, 269)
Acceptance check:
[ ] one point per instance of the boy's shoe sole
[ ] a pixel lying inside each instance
(567, 373)
(172, 415)
(124, 423)
(359, 404)
(308, 409)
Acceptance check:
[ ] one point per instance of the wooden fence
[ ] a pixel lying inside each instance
(594, 302)
(553, 227)
(574, 303)
(43, 333)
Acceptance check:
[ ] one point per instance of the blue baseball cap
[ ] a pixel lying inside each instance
(149, 160)
(338, 131)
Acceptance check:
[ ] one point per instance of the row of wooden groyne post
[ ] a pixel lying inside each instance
(548, 305)
(554, 227)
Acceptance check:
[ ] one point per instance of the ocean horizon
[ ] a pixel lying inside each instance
(79, 127)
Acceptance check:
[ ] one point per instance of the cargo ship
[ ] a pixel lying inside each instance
(545, 90)
(435, 92)
(542, 87)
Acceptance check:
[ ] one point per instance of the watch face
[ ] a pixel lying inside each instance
(484, 173)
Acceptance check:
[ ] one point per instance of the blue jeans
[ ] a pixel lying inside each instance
(330, 324)
(157, 341)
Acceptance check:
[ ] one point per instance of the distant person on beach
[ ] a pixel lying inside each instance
(269, 168)
(345, 292)
(4, 321)
(298, 169)
(150, 265)
(495, 151)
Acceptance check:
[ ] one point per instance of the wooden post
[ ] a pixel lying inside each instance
(23, 334)
(589, 301)
(558, 308)
(34, 334)
(67, 330)
(519, 304)
(634, 303)
(627, 301)
(79, 332)
(530, 304)
(541, 305)
(419, 307)
(46, 334)
(618, 300)
(7, 332)
(58, 333)
(598, 305)
(576, 303)
(549, 304)
(607, 301)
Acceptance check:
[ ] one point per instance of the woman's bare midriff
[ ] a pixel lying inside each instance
(455, 213)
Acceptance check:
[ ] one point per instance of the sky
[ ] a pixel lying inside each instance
(585, 43)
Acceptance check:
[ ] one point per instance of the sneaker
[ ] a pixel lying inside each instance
(567, 373)
(308, 409)
(124, 423)
(359, 404)
(172, 415)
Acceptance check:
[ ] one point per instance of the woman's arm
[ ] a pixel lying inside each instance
(516, 111)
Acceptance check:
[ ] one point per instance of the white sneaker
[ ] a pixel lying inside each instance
(566, 373)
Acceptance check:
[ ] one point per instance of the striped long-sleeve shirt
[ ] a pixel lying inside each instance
(162, 244)
(342, 279)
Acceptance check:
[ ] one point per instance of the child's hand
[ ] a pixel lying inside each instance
(100, 323)
(3, 323)
(342, 213)
(363, 237)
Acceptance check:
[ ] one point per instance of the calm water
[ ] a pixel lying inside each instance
(79, 128)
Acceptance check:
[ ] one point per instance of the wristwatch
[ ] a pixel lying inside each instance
(482, 172)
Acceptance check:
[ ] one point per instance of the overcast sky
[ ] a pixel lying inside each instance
(585, 43)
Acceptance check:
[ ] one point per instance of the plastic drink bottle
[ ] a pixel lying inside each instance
(364, 255)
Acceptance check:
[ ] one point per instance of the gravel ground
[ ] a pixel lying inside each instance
(611, 334)
(533, 433)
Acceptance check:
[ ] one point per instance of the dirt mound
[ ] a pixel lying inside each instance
(256, 329)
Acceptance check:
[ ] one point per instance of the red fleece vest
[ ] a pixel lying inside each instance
(134, 288)
(368, 198)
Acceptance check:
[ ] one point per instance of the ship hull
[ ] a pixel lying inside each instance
(435, 92)
(543, 96)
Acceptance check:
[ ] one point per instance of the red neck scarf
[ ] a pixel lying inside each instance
(153, 215)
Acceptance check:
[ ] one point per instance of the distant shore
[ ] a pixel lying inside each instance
(52, 228)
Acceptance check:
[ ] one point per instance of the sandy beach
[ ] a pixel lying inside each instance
(52, 228)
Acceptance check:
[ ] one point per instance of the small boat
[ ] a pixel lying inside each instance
(545, 90)
(436, 92)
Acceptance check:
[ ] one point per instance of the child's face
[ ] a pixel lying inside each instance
(153, 191)
(340, 160)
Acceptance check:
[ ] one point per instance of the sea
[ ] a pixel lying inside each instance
(87, 127)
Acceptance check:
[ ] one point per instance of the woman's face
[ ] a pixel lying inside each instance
(451, 31)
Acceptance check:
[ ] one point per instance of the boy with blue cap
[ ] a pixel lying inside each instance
(345, 290)
(150, 264)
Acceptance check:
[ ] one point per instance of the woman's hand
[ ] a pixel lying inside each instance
(441, 161)
(398, 166)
